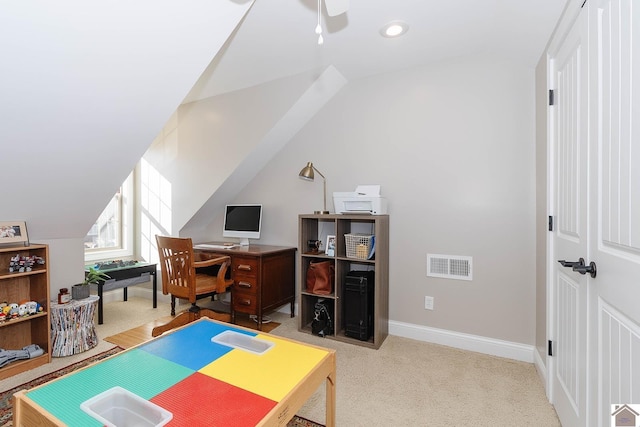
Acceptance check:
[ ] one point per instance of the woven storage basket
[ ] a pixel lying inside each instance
(358, 245)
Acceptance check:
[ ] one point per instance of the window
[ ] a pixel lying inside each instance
(106, 232)
(112, 234)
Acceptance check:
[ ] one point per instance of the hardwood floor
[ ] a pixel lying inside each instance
(140, 334)
(135, 336)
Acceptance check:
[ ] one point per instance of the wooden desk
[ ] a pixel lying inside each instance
(264, 278)
(199, 381)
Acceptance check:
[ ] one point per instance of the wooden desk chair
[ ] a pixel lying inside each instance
(178, 263)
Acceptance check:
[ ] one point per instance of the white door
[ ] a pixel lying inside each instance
(568, 72)
(615, 208)
(595, 148)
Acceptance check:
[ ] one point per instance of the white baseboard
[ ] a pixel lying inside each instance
(540, 365)
(479, 344)
(287, 309)
(495, 347)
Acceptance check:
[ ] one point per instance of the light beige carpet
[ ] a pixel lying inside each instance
(412, 383)
(404, 383)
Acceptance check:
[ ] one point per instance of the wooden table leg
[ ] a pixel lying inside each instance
(331, 397)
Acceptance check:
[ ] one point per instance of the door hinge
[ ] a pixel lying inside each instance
(550, 349)
(550, 223)
(551, 97)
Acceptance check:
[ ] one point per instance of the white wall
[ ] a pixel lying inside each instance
(452, 146)
(211, 148)
(65, 264)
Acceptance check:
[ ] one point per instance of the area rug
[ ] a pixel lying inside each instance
(6, 401)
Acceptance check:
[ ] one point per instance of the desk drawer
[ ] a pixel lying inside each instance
(245, 302)
(245, 285)
(244, 266)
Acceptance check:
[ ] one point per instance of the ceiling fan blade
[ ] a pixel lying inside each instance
(336, 7)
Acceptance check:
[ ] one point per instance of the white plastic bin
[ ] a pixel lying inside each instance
(118, 407)
(243, 342)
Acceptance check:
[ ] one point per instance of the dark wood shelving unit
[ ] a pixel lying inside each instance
(317, 227)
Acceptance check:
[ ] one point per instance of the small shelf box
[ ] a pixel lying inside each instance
(358, 245)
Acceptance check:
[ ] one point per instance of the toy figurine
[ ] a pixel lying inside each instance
(22, 264)
(14, 264)
(7, 309)
(32, 307)
(23, 310)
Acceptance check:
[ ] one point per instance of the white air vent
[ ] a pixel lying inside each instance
(449, 266)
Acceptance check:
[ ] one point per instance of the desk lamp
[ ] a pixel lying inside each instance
(307, 174)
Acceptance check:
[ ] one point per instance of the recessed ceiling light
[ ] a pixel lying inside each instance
(394, 29)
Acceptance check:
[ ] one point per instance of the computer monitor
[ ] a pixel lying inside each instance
(243, 222)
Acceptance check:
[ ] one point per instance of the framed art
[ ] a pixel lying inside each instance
(330, 249)
(13, 232)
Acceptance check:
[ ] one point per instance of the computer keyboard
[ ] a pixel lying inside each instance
(212, 246)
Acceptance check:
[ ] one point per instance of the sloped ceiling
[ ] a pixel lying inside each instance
(285, 116)
(277, 42)
(277, 38)
(85, 87)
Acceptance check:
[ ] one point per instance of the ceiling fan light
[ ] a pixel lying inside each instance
(394, 29)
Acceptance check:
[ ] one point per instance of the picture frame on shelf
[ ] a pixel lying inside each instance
(13, 232)
(330, 249)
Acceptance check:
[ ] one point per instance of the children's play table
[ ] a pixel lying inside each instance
(201, 382)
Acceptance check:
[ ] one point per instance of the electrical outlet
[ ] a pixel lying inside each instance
(428, 303)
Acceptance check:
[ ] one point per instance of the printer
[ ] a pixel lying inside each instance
(365, 200)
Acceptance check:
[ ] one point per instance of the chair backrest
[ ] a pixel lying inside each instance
(177, 266)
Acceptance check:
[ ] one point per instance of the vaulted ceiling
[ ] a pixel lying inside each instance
(85, 87)
(277, 38)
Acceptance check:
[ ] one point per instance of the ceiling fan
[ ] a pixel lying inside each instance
(334, 8)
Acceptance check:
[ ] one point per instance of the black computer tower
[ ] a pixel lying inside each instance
(358, 304)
